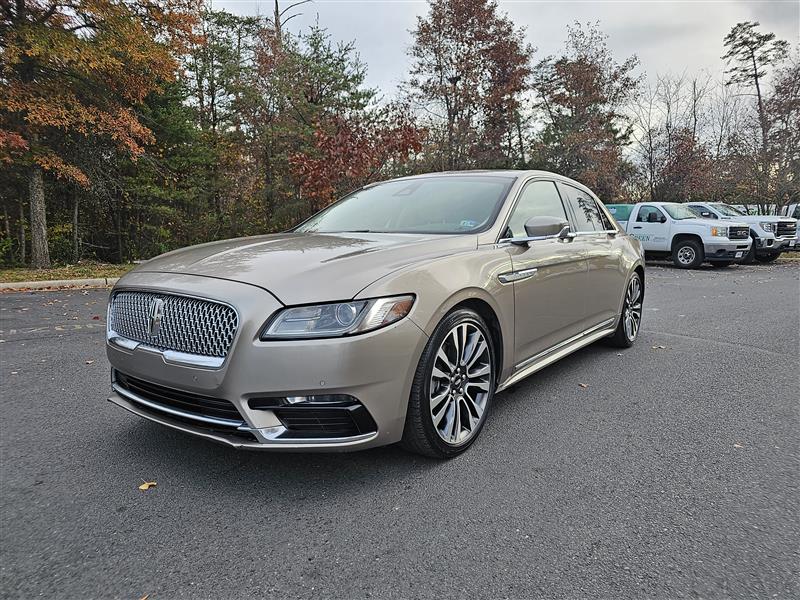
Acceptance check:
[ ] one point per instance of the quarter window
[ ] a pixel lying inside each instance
(588, 216)
(538, 199)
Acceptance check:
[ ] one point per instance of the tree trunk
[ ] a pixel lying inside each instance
(22, 240)
(76, 250)
(40, 252)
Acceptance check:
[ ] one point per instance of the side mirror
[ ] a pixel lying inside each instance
(663, 219)
(705, 215)
(546, 227)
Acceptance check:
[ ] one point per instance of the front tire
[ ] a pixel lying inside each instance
(453, 387)
(630, 320)
(687, 254)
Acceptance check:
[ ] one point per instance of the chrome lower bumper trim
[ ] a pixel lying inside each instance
(176, 412)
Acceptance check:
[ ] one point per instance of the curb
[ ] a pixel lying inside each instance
(60, 284)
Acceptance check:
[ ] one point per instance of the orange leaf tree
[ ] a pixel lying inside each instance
(74, 72)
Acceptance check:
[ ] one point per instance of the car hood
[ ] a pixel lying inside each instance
(758, 219)
(299, 268)
(711, 222)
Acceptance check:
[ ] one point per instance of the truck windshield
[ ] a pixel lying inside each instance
(678, 211)
(445, 204)
(727, 209)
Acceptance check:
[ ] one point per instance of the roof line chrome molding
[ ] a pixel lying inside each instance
(170, 356)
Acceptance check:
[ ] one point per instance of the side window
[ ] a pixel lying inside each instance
(538, 199)
(588, 216)
(648, 214)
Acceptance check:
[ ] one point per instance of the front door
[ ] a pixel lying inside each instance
(651, 227)
(548, 276)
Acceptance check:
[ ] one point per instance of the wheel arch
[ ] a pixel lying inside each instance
(488, 314)
(681, 237)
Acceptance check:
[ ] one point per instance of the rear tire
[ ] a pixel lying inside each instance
(687, 254)
(453, 387)
(767, 258)
(630, 320)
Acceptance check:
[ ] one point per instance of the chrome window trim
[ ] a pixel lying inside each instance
(525, 182)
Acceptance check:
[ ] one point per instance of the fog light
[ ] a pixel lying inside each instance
(316, 400)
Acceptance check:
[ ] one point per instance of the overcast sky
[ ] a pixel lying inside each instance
(667, 36)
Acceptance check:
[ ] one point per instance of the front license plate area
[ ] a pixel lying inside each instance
(739, 254)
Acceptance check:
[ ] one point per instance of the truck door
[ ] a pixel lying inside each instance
(651, 227)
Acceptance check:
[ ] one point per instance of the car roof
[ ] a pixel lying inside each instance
(507, 173)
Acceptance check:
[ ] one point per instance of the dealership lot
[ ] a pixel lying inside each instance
(667, 470)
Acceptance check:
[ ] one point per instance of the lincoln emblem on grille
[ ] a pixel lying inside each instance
(155, 313)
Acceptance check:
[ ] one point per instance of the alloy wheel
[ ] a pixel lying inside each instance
(632, 313)
(460, 383)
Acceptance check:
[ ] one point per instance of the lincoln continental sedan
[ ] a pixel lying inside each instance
(396, 314)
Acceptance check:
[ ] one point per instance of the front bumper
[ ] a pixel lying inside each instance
(376, 368)
(767, 245)
(727, 250)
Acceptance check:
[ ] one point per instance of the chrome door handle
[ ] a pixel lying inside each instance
(513, 276)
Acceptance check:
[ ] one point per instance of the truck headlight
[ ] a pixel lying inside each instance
(769, 227)
(719, 231)
(336, 319)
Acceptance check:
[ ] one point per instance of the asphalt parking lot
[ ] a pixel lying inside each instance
(673, 474)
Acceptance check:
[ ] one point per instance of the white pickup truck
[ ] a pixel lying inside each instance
(771, 235)
(672, 229)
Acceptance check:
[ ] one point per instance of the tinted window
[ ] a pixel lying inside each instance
(538, 199)
(587, 215)
(645, 212)
(450, 204)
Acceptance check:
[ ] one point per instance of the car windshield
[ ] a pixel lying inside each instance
(679, 211)
(448, 204)
(727, 209)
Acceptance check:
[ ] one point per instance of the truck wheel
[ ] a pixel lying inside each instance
(767, 258)
(687, 254)
(721, 264)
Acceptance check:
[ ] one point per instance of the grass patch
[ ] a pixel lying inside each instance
(80, 271)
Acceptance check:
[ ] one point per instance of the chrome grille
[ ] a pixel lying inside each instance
(188, 325)
(738, 233)
(785, 229)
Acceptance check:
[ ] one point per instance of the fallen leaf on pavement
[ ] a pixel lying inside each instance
(88, 362)
(95, 318)
(583, 385)
(659, 347)
(738, 446)
(147, 485)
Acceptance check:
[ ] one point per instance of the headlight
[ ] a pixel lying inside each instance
(767, 227)
(337, 319)
(719, 231)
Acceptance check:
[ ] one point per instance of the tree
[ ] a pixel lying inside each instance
(73, 73)
(581, 98)
(470, 69)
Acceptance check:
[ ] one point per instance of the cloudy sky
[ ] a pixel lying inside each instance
(667, 36)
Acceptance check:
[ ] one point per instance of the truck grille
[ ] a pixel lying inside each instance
(738, 233)
(188, 325)
(786, 228)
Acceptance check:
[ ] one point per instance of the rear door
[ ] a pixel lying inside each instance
(606, 275)
(549, 276)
